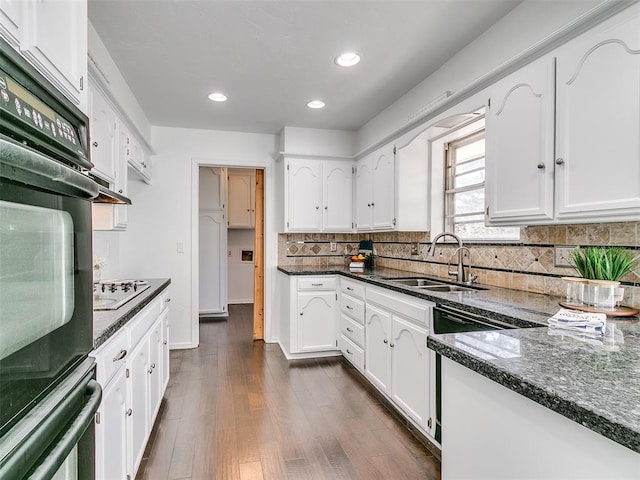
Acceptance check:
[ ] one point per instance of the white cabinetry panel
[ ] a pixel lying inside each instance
(337, 181)
(519, 146)
(317, 321)
(598, 120)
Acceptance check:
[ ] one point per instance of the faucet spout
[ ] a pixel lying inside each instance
(460, 273)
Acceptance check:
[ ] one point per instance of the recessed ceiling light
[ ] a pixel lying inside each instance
(347, 59)
(217, 97)
(315, 104)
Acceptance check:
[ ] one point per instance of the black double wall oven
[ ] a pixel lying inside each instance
(48, 393)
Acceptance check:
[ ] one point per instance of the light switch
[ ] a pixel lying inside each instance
(333, 246)
(180, 247)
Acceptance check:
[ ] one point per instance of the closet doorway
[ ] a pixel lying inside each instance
(231, 241)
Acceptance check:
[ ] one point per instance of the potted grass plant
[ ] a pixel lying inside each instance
(603, 267)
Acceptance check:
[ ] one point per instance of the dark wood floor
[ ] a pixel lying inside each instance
(237, 409)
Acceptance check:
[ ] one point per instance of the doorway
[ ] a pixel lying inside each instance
(230, 232)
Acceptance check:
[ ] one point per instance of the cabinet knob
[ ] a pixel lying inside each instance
(150, 371)
(349, 352)
(95, 144)
(164, 343)
(391, 345)
(385, 341)
(350, 289)
(317, 207)
(559, 161)
(167, 300)
(368, 204)
(120, 191)
(372, 204)
(541, 166)
(120, 356)
(248, 210)
(326, 208)
(153, 365)
(129, 412)
(144, 165)
(301, 313)
(348, 307)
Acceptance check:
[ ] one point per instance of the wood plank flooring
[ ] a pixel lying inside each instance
(237, 409)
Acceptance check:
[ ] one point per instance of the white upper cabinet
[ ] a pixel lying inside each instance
(519, 145)
(375, 190)
(103, 136)
(52, 35)
(242, 202)
(337, 205)
(318, 195)
(598, 124)
(11, 14)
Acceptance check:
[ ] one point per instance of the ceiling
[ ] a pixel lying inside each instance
(271, 57)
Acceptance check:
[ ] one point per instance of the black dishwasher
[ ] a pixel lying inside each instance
(447, 319)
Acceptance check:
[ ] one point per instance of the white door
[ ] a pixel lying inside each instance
(304, 195)
(55, 41)
(317, 321)
(410, 369)
(383, 193)
(103, 136)
(364, 195)
(598, 120)
(213, 261)
(520, 146)
(138, 401)
(377, 351)
(337, 196)
(11, 19)
(111, 430)
(241, 205)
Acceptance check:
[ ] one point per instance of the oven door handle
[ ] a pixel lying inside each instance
(70, 438)
(23, 165)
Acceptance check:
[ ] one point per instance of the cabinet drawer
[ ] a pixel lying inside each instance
(352, 307)
(111, 356)
(352, 352)
(142, 322)
(317, 283)
(354, 289)
(352, 330)
(417, 311)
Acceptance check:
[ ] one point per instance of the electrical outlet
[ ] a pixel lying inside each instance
(415, 248)
(562, 254)
(333, 246)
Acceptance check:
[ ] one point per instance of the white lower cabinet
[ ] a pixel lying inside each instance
(133, 369)
(377, 350)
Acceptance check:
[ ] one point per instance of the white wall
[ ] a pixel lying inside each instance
(240, 286)
(313, 141)
(527, 24)
(160, 219)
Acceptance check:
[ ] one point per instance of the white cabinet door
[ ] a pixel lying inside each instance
(138, 426)
(55, 41)
(155, 371)
(317, 322)
(212, 188)
(377, 350)
(337, 194)
(121, 218)
(410, 369)
(304, 195)
(383, 188)
(213, 261)
(519, 146)
(103, 136)
(165, 349)
(111, 430)
(242, 203)
(364, 185)
(598, 120)
(11, 21)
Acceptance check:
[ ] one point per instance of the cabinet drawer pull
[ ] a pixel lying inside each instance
(349, 330)
(95, 144)
(167, 300)
(120, 356)
(317, 284)
(348, 307)
(129, 412)
(349, 352)
(350, 289)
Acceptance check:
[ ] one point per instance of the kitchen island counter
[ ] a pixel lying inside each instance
(107, 322)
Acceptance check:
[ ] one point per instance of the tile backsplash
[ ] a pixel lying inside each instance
(524, 265)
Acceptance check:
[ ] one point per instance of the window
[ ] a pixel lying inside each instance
(464, 191)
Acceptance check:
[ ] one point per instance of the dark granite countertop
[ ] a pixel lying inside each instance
(595, 384)
(107, 322)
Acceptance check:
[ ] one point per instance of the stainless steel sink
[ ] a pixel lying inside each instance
(446, 288)
(415, 281)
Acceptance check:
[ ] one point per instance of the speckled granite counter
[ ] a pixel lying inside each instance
(597, 386)
(108, 322)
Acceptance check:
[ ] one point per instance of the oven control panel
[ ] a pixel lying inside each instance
(24, 107)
